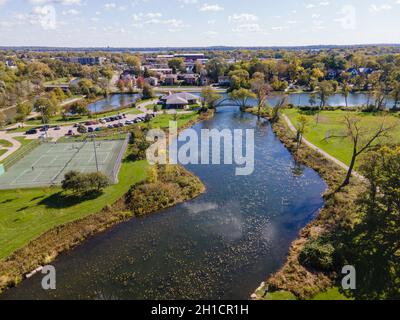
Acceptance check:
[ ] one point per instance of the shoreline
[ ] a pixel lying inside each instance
(292, 277)
(43, 250)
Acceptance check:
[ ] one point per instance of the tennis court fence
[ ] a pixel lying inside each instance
(118, 162)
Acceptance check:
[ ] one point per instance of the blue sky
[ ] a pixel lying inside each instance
(158, 23)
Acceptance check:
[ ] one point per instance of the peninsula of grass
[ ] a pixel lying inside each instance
(28, 213)
(331, 124)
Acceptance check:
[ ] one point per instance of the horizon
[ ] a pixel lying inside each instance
(218, 23)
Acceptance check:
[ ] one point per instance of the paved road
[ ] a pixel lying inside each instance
(322, 152)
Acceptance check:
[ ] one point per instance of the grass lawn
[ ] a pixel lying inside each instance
(162, 120)
(5, 144)
(23, 141)
(26, 214)
(332, 123)
(331, 294)
(2, 151)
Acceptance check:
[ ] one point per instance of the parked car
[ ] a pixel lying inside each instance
(90, 129)
(31, 131)
(98, 129)
(44, 128)
(57, 128)
(120, 125)
(115, 125)
(76, 125)
(69, 133)
(102, 121)
(110, 126)
(128, 122)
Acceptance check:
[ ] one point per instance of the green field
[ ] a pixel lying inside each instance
(162, 120)
(332, 123)
(2, 151)
(5, 144)
(29, 213)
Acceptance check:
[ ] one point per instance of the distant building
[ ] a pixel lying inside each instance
(85, 60)
(179, 100)
(224, 81)
(163, 71)
(11, 64)
(152, 81)
(360, 71)
(332, 74)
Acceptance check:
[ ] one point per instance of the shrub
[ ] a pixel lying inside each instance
(317, 255)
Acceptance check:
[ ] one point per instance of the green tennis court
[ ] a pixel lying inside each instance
(47, 164)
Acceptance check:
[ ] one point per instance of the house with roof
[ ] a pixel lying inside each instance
(170, 79)
(180, 100)
(224, 81)
(152, 81)
(190, 79)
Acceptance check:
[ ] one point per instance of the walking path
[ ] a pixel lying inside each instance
(15, 145)
(320, 151)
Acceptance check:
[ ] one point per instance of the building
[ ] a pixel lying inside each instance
(190, 79)
(170, 79)
(180, 100)
(164, 71)
(224, 81)
(152, 81)
(85, 60)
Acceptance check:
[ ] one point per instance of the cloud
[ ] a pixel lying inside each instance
(243, 17)
(383, 7)
(211, 8)
(248, 27)
(63, 2)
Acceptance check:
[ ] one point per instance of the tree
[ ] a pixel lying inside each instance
(375, 243)
(325, 90)
(395, 94)
(97, 181)
(121, 85)
(362, 139)
(346, 89)
(262, 90)
(148, 92)
(134, 62)
(24, 109)
(74, 182)
(241, 97)
(46, 108)
(84, 183)
(209, 97)
(79, 108)
(302, 123)
(276, 111)
(216, 67)
(177, 64)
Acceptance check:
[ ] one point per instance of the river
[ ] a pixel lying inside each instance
(220, 245)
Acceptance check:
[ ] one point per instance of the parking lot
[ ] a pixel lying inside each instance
(56, 132)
